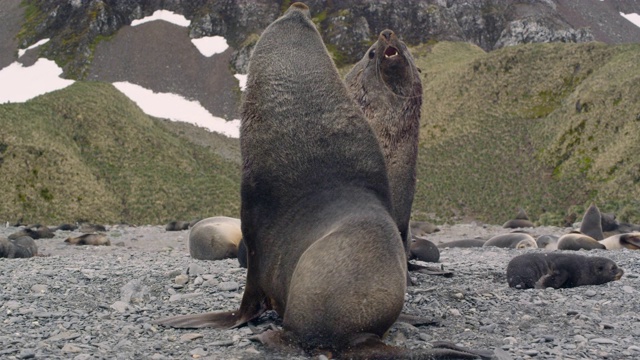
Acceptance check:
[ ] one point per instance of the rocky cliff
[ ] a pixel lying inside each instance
(348, 26)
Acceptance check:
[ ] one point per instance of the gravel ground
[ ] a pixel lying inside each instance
(85, 302)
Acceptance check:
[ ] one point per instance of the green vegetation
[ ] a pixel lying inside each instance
(503, 130)
(87, 152)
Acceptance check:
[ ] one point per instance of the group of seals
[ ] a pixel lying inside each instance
(316, 213)
(18, 247)
(560, 270)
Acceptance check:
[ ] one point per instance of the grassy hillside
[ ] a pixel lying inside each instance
(546, 127)
(87, 152)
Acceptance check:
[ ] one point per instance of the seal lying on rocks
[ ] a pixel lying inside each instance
(520, 221)
(20, 247)
(89, 239)
(177, 226)
(215, 238)
(324, 251)
(629, 241)
(576, 240)
(543, 270)
(514, 240)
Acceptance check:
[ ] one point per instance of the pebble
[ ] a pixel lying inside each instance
(603, 341)
(195, 269)
(590, 293)
(228, 286)
(39, 288)
(190, 336)
(181, 279)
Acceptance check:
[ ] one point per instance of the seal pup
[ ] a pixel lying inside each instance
(520, 221)
(215, 238)
(514, 240)
(386, 85)
(177, 226)
(576, 240)
(315, 206)
(591, 224)
(547, 242)
(463, 243)
(423, 250)
(89, 239)
(21, 247)
(543, 270)
(629, 241)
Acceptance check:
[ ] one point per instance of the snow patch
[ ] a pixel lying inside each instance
(41, 42)
(633, 17)
(20, 83)
(242, 78)
(165, 15)
(176, 108)
(210, 45)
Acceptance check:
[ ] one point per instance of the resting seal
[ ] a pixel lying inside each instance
(36, 231)
(89, 239)
(543, 270)
(386, 85)
(548, 242)
(315, 205)
(464, 243)
(576, 240)
(177, 226)
(215, 238)
(629, 241)
(521, 221)
(513, 240)
(423, 250)
(20, 247)
(422, 228)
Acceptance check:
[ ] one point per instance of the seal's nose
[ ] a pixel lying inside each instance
(386, 34)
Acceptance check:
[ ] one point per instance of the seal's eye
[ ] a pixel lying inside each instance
(372, 53)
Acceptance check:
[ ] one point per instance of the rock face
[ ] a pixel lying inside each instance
(348, 27)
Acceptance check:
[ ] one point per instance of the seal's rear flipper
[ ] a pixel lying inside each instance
(220, 320)
(482, 354)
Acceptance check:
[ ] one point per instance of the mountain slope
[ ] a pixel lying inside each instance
(87, 152)
(501, 130)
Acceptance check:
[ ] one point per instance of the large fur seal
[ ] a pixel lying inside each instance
(20, 247)
(543, 270)
(514, 240)
(324, 251)
(629, 241)
(576, 240)
(520, 221)
(215, 238)
(386, 85)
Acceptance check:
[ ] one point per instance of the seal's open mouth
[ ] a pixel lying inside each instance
(390, 52)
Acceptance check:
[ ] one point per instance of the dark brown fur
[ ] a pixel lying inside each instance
(543, 270)
(20, 247)
(89, 239)
(592, 223)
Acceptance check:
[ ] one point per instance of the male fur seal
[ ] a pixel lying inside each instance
(576, 240)
(386, 85)
(89, 239)
(215, 238)
(520, 221)
(315, 206)
(629, 241)
(514, 240)
(20, 247)
(591, 224)
(543, 270)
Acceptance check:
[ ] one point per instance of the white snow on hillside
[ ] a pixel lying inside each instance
(164, 15)
(41, 42)
(633, 17)
(19, 83)
(210, 45)
(175, 107)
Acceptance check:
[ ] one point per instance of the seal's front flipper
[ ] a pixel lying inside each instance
(429, 270)
(220, 320)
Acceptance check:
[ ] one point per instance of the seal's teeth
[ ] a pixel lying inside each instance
(391, 52)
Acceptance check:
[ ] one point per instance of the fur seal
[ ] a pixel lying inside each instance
(177, 226)
(423, 250)
(386, 85)
(520, 221)
(548, 242)
(463, 243)
(422, 228)
(89, 239)
(543, 270)
(591, 224)
(91, 228)
(20, 247)
(215, 238)
(629, 241)
(513, 240)
(576, 240)
(315, 206)
(66, 227)
(36, 231)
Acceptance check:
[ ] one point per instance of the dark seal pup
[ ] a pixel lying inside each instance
(423, 250)
(520, 221)
(386, 85)
(20, 247)
(315, 206)
(543, 270)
